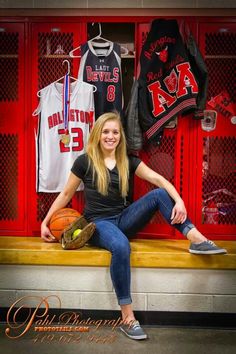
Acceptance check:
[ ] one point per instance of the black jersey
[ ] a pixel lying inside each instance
(102, 68)
(98, 206)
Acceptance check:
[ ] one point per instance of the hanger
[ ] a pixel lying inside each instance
(62, 78)
(124, 50)
(97, 44)
(68, 73)
(68, 66)
(106, 43)
(100, 38)
(71, 77)
(71, 53)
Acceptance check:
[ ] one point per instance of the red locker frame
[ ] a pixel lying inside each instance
(14, 147)
(216, 150)
(179, 157)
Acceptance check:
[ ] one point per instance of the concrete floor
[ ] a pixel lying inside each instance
(168, 340)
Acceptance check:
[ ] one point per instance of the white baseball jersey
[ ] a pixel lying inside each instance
(54, 158)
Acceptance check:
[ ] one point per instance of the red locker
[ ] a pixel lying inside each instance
(216, 149)
(172, 159)
(51, 44)
(14, 145)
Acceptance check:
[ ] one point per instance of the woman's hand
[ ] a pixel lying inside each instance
(179, 213)
(60, 202)
(46, 234)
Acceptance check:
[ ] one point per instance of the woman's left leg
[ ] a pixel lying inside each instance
(138, 214)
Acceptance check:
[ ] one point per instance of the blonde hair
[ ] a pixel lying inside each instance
(96, 159)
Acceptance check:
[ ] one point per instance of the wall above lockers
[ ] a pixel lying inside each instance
(104, 4)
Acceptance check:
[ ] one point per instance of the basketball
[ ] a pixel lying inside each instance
(61, 219)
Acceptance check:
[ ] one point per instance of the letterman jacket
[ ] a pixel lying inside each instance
(173, 80)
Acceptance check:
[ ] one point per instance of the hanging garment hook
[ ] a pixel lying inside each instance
(68, 65)
(100, 29)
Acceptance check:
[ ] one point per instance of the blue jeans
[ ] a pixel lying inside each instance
(113, 234)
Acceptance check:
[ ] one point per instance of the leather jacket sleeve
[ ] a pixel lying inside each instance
(197, 63)
(133, 130)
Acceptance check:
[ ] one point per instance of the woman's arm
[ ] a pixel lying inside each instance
(179, 213)
(60, 202)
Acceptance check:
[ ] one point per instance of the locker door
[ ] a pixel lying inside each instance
(51, 44)
(171, 159)
(12, 134)
(216, 149)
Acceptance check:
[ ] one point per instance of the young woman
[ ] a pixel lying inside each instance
(105, 171)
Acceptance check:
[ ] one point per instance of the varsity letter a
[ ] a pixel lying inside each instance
(186, 79)
(159, 98)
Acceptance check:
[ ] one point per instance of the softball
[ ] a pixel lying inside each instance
(76, 233)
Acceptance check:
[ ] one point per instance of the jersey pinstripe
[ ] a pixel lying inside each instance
(102, 68)
(53, 157)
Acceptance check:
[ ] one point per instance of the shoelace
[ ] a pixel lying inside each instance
(135, 325)
(210, 242)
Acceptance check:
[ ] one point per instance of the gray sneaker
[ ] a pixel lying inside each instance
(133, 330)
(206, 247)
